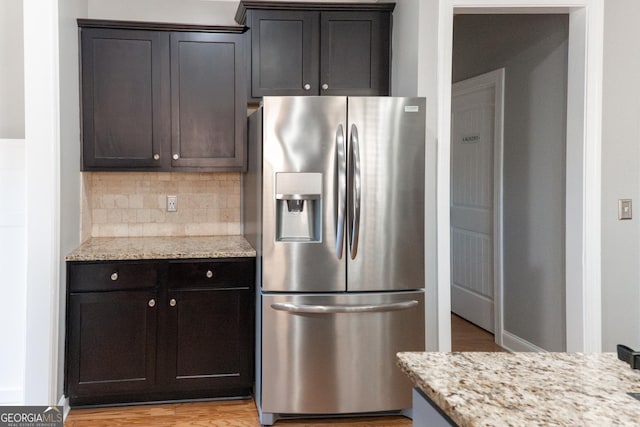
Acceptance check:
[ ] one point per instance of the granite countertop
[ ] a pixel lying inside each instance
(527, 389)
(134, 248)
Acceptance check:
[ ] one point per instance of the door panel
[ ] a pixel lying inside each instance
(122, 96)
(354, 53)
(112, 343)
(323, 363)
(300, 136)
(207, 97)
(285, 47)
(472, 204)
(209, 338)
(388, 253)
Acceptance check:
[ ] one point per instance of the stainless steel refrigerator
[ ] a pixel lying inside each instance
(333, 202)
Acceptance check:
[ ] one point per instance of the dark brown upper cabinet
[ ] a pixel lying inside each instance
(162, 97)
(317, 48)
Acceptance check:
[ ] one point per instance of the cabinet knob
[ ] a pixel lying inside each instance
(152, 302)
(114, 276)
(156, 157)
(325, 86)
(209, 274)
(172, 302)
(307, 86)
(176, 157)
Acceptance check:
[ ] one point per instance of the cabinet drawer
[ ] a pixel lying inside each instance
(112, 276)
(212, 273)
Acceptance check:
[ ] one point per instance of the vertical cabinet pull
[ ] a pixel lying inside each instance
(172, 302)
(209, 274)
(114, 276)
(152, 302)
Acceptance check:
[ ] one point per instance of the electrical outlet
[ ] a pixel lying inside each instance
(172, 203)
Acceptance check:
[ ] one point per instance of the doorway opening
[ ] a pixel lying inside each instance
(508, 181)
(583, 174)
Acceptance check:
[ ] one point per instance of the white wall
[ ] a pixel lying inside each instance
(535, 60)
(178, 11)
(621, 175)
(404, 49)
(414, 73)
(13, 268)
(12, 215)
(69, 185)
(11, 70)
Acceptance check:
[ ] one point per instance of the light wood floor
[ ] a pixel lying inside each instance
(242, 413)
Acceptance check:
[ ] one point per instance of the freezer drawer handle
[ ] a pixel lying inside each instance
(330, 309)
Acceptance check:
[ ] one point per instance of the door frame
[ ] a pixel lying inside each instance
(583, 171)
(494, 78)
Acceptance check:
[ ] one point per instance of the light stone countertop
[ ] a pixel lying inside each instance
(527, 389)
(135, 248)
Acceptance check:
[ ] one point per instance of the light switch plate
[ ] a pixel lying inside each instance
(624, 209)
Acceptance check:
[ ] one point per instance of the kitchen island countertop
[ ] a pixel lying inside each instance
(138, 248)
(527, 389)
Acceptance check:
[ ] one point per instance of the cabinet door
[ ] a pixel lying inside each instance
(208, 101)
(284, 53)
(125, 94)
(111, 343)
(209, 340)
(355, 53)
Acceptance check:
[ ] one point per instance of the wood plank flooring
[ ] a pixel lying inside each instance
(466, 336)
(231, 413)
(242, 413)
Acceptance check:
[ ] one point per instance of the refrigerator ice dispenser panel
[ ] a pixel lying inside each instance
(298, 207)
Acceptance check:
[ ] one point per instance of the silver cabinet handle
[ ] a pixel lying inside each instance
(341, 177)
(325, 86)
(307, 86)
(156, 157)
(331, 309)
(114, 276)
(209, 274)
(152, 302)
(176, 157)
(172, 302)
(356, 191)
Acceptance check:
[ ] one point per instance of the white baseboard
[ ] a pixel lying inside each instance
(476, 308)
(11, 397)
(514, 343)
(64, 402)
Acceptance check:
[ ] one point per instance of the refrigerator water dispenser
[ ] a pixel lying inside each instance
(298, 207)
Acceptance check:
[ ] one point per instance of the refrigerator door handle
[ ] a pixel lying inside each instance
(332, 309)
(341, 180)
(356, 190)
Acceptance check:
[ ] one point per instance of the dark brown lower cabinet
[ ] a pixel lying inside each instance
(202, 357)
(181, 330)
(113, 341)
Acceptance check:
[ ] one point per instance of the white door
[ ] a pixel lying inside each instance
(476, 170)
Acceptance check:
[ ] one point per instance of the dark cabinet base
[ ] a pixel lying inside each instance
(149, 398)
(154, 331)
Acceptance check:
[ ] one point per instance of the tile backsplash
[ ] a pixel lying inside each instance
(117, 204)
